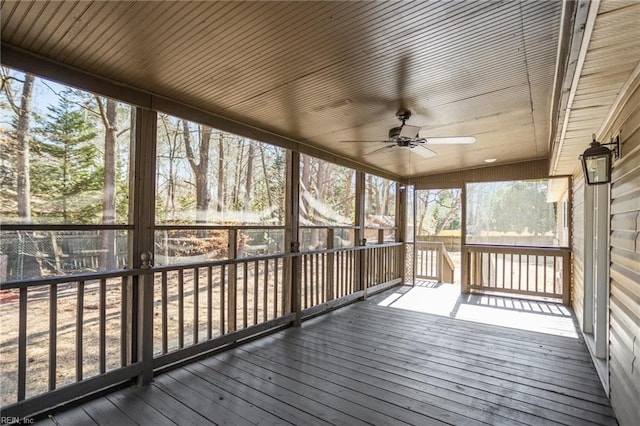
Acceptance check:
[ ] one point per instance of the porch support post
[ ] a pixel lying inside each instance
(464, 255)
(232, 285)
(360, 224)
(292, 293)
(401, 227)
(141, 213)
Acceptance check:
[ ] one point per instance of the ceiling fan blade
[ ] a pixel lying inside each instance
(380, 150)
(378, 141)
(453, 140)
(422, 151)
(408, 131)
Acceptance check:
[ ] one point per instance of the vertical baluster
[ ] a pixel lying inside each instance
(339, 274)
(275, 288)
(181, 308)
(528, 271)
(22, 344)
(53, 335)
(209, 302)
(432, 261)
(305, 281)
(504, 268)
(555, 274)
(537, 281)
(497, 279)
(319, 287)
(165, 314)
(511, 271)
(265, 291)
(196, 304)
(349, 271)
(223, 305)
(102, 317)
(338, 279)
(312, 289)
(544, 274)
(519, 272)
(79, 334)
(256, 272)
(389, 267)
(124, 320)
(245, 282)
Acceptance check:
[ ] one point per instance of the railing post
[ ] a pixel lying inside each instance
(232, 296)
(363, 265)
(330, 266)
(296, 293)
(145, 319)
(465, 270)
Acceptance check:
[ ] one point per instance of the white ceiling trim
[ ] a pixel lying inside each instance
(591, 20)
(625, 92)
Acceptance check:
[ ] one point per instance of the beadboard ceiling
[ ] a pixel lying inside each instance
(322, 72)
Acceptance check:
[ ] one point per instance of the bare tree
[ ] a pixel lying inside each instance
(221, 182)
(200, 167)
(108, 114)
(249, 178)
(22, 146)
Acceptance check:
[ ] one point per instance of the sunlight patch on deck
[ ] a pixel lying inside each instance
(446, 300)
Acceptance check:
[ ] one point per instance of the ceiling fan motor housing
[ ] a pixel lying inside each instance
(394, 133)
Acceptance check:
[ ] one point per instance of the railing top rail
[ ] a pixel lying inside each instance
(328, 227)
(166, 227)
(430, 243)
(516, 249)
(61, 227)
(33, 282)
(88, 276)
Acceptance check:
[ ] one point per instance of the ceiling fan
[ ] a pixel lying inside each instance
(406, 136)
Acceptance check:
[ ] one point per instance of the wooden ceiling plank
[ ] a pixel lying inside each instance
(204, 42)
(105, 42)
(12, 22)
(31, 18)
(48, 32)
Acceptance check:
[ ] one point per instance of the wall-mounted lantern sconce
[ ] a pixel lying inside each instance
(596, 161)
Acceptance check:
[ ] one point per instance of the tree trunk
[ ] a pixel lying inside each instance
(109, 118)
(200, 168)
(238, 174)
(347, 195)
(22, 160)
(249, 181)
(265, 174)
(221, 176)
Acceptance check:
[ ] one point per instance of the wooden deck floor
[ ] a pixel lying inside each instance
(372, 363)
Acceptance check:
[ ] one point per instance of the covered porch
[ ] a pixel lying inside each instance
(383, 361)
(209, 212)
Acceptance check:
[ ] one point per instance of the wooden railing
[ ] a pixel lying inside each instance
(71, 336)
(433, 262)
(532, 271)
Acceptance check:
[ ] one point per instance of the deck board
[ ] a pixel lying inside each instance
(373, 364)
